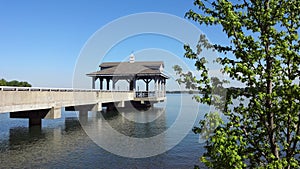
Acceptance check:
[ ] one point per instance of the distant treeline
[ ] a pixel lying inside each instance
(183, 91)
(230, 89)
(16, 83)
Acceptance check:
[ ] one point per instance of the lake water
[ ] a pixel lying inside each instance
(64, 143)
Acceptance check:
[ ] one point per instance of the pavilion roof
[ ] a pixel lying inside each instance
(130, 69)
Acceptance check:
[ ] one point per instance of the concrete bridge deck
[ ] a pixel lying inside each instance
(39, 103)
(20, 99)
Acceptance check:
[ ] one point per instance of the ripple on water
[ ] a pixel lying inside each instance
(62, 143)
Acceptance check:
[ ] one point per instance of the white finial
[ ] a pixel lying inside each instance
(131, 60)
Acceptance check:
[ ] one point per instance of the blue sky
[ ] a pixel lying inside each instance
(40, 41)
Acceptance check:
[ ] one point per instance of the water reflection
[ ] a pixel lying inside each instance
(128, 122)
(62, 143)
(41, 146)
(115, 133)
(32, 147)
(23, 136)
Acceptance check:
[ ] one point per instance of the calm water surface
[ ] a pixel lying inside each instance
(62, 143)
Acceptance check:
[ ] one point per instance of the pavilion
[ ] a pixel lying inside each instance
(112, 72)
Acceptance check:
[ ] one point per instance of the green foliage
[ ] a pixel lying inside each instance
(3, 82)
(263, 128)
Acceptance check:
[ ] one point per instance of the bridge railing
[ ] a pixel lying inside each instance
(13, 88)
(149, 94)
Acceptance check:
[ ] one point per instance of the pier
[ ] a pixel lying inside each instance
(46, 103)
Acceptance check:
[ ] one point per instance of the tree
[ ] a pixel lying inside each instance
(3, 82)
(263, 129)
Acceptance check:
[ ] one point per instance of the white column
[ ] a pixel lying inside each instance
(164, 87)
(155, 87)
(159, 88)
(93, 82)
(114, 85)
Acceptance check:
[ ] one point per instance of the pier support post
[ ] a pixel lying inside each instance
(99, 106)
(96, 107)
(110, 106)
(35, 121)
(54, 113)
(35, 116)
(83, 116)
(120, 104)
